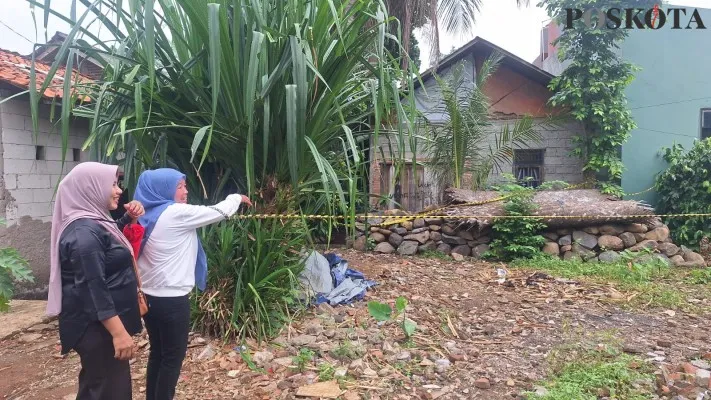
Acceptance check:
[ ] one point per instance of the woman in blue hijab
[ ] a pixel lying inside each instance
(171, 262)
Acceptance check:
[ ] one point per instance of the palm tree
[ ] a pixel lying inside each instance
(462, 145)
(457, 16)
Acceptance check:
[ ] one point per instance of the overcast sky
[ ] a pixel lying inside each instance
(500, 22)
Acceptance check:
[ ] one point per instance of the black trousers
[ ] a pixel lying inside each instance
(102, 377)
(168, 325)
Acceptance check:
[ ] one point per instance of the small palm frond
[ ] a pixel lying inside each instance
(458, 16)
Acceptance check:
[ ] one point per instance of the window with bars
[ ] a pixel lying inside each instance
(528, 167)
(705, 123)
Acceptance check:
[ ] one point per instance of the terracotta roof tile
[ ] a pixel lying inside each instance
(15, 70)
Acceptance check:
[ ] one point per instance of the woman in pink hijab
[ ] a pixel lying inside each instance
(92, 284)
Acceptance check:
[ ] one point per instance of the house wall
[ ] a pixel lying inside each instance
(511, 94)
(666, 97)
(27, 185)
(558, 164)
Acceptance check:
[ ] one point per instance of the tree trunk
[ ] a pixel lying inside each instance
(406, 33)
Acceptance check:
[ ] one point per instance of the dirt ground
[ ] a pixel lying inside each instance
(477, 338)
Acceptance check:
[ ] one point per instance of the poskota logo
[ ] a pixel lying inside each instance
(635, 18)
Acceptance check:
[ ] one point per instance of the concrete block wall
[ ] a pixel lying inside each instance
(30, 182)
(27, 184)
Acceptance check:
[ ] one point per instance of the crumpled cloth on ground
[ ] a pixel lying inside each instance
(329, 280)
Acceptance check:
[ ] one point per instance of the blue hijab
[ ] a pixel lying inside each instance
(156, 191)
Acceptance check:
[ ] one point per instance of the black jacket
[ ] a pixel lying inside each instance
(98, 280)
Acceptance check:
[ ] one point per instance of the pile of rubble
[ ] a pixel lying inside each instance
(689, 380)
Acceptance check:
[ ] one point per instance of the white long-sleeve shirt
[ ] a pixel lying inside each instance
(167, 262)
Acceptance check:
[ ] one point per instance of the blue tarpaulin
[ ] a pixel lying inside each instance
(331, 281)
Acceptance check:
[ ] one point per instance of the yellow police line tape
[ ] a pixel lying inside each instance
(397, 219)
(411, 217)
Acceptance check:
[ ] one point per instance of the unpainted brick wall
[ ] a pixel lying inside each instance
(27, 185)
(30, 182)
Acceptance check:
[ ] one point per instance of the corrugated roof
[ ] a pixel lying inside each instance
(15, 70)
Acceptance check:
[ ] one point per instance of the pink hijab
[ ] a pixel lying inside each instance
(83, 193)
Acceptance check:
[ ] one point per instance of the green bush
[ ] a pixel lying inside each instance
(685, 187)
(252, 285)
(517, 237)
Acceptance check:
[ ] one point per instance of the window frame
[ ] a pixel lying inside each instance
(704, 110)
(541, 164)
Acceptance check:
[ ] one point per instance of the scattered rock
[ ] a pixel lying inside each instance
(677, 260)
(30, 337)
(551, 248)
(446, 249)
(360, 243)
(328, 390)
(429, 246)
(466, 235)
(609, 257)
(404, 356)
(303, 340)
(442, 365)
(262, 358)
(421, 237)
(585, 239)
(584, 252)
(636, 228)
(658, 234)
(377, 236)
(593, 230)
(610, 242)
(232, 373)
(552, 236)
(612, 230)
(453, 240)
(670, 249)
(42, 328)
(695, 258)
(633, 349)
(566, 240)
(482, 383)
(207, 353)
(408, 248)
(703, 364)
(457, 257)
(395, 239)
(645, 244)
(464, 250)
(384, 248)
(628, 239)
(399, 230)
(479, 250)
(448, 230)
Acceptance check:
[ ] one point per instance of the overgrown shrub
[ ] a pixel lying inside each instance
(517, 237)
(13, 268)
(252, 286)
(685, 187)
